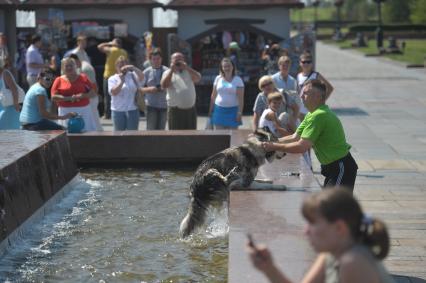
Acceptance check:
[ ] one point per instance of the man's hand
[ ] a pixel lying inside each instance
(268, 146)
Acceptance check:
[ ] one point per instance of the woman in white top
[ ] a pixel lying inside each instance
(308, 73)
(227, 98)
(269, 118)
(9, 115)
(123, 88)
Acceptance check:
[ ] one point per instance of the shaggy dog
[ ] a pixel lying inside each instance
(217, 175)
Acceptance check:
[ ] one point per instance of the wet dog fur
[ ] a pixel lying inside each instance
(217, 175)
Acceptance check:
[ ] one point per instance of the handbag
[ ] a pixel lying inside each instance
(6, 96)
(139, 95)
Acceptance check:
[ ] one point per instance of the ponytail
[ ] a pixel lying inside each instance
(374, 235)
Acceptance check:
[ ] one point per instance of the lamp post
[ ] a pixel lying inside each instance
(315, 4)
(338, 34)
(379, 30)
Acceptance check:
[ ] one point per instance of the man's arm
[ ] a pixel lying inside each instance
(288, 139)
(300, 146)
(255, 121)
(105, 47)
(166, 81)
(196, 76)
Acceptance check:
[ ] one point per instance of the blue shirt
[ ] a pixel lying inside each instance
(30, 112)
(152, 77)
(289, 84)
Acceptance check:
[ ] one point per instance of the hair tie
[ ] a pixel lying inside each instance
(367, 224)
(367, 219)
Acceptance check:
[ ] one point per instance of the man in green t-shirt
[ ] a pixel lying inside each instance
(323, 131)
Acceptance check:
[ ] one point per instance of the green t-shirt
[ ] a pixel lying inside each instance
(325, 131)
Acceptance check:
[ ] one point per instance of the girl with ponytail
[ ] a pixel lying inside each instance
(350, 244)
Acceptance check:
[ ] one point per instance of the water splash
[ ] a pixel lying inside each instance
(219, 225)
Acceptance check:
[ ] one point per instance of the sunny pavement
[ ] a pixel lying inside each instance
(382, 106)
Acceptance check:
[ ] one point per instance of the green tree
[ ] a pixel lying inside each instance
(396, 11)
(359, 10)
(418, 12)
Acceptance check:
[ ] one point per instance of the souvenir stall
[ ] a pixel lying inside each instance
(59, 22)
(239, 30)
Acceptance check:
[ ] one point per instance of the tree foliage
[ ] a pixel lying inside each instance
(418, 12)
(396, 11)
(356, 10)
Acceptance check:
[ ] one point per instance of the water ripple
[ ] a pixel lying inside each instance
(121, 226)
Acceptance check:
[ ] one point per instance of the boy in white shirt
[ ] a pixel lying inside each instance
(269, 116)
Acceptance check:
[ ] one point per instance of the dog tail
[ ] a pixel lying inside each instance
(193, 219)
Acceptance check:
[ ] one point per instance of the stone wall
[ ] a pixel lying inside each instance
(33, 168)
(147, 148)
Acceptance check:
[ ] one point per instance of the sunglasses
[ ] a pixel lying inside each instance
(306, 62)
(265, 84)
(48, 79)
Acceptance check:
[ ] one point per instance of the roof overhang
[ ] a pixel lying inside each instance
(241, 27)
(226, 4)
(108, 4)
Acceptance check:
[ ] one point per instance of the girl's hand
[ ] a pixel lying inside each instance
(260, 257)
(76, 97)
(69, 115)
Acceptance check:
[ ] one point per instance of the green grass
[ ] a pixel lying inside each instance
(330, 31)
(415, 50)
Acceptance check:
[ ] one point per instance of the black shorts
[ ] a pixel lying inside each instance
(341, 172)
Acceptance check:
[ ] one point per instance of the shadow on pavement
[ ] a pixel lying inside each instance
(407, 279)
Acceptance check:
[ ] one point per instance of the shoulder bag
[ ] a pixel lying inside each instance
(6, 96)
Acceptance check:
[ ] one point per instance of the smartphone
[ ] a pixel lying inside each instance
(250, 240)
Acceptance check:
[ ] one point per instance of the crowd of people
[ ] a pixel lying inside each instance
(168, 93)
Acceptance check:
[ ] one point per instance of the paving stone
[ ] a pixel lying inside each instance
(404, 266)
(364, 166)
(409, 234)
(413, 206)
(420, 165)
(413, 242)
(391, 165)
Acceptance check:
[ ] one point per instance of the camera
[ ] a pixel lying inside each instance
(158, 87)
(178, 64)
